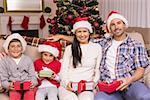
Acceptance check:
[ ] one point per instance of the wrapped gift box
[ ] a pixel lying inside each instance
(17, 86)
(46, 73)
(82, 86)
(26, 85)
(109, 87)
(22, 86)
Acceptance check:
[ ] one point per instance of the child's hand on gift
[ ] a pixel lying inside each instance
(32, 86)
(53, 76)
(68, 87)
(11, 86)
(41, 78)
(1, 88)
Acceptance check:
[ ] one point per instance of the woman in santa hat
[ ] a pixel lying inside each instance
(80, 63)
(48, 67)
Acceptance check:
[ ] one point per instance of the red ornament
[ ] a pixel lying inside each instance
(70, 17)
(66, 20)
(96, 24)
(48, 20)
(53, 21)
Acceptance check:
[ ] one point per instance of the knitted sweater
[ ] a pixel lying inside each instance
(23, 71)
(54, 66)
(88, 69)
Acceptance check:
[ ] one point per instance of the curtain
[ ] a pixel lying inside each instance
(137, 12)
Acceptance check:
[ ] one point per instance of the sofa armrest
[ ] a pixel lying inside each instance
(147, 77)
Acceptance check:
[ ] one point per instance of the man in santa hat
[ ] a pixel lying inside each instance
(123, 60)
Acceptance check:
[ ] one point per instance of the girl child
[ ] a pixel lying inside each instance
(81, 61)
(50, 51)
(17, 67)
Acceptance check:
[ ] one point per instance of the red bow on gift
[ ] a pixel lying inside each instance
(81, 86)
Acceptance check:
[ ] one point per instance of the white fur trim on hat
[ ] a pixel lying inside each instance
(14, 36)
(82, 24)
(114, 16)
(47, 48)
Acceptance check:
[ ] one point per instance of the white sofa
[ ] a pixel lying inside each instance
(33, 53)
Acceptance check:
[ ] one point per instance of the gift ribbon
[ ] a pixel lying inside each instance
(81, 86)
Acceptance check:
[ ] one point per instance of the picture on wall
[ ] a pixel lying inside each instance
(23, 5)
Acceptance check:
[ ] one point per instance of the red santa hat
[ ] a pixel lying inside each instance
(14, 36)
(52, 47)
(113, 15)
(82, 23)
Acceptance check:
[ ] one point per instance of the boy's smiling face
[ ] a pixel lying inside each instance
(47, 57)
(15, 49)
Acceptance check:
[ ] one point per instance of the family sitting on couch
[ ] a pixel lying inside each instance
(109, 68)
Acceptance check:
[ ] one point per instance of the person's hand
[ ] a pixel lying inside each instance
(53, 76)
(54, 38)
(95, 88)
(11, 86)
(1, 88)
(39, 77)
(125, 83)
(68, 87)
(32, 86)
(2, 55)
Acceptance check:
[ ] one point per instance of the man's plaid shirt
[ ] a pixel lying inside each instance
(130, 55)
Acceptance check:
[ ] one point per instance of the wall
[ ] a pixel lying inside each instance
(33, 16)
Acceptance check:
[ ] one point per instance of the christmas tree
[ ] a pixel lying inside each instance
(67, 11)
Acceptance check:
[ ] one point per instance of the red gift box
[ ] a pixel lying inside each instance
(82, 86)
(22, 86)
(109, 87)
(17, 86)
(26, 85)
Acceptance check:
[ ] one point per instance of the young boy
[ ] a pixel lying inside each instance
(17, 67)
(48, 84)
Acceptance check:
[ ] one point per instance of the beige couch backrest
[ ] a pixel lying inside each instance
(137, 36)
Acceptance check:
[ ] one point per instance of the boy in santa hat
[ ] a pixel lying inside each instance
(124, 59)
(17, 67)
(48, 67)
